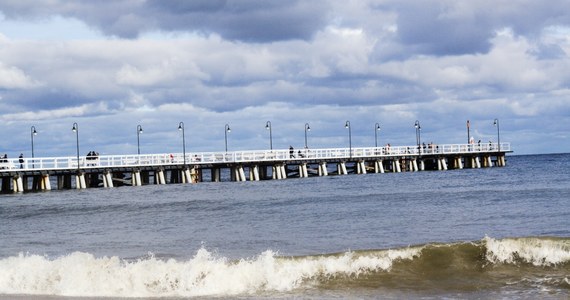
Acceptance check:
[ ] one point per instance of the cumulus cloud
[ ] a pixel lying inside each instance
(243, 62)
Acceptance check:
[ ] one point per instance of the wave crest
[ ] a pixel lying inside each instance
(450, 266)
(533, 250)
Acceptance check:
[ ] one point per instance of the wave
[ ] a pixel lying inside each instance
(464, 266)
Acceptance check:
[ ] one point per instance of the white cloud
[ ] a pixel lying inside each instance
(13, 78)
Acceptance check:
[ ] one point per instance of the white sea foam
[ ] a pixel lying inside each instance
(82, 274)
(537, 251)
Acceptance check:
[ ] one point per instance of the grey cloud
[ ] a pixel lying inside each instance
(441, 27)
(255, 21)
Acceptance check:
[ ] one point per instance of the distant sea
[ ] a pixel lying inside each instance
(471, 233)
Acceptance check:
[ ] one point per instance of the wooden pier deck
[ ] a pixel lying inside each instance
(47, 173)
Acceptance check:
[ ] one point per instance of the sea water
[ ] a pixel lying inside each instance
(471, 233)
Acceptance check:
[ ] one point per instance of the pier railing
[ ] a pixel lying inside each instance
(58, 163)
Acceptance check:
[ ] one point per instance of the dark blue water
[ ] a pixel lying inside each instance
(254, 222)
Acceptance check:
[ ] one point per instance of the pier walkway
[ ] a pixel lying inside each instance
(46, 173)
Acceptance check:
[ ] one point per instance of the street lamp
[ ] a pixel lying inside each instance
(376, 129)
(307, 128)
(468, 132)
(496, 123)
(347, 125)
(268, 126)
(226, 130)
(418, 134)
(76, 130)
(32, 133)
(139, 131)
(181, 128)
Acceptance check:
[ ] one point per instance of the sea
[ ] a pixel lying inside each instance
(489, 233)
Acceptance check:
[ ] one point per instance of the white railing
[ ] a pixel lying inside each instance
(106, 161)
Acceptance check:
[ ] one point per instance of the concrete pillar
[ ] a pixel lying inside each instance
(159, 174)
(254, 173)
(17, 184)
(323, 171)
(415, 165)
(80, 181)
(477, 162)
(187, 176)
(241, 173)
(397, 166)
(136, 178)
(108, 179)
(274, 173)
(342, 168)
(379, 166)
(443, 163)
(283, 171)
(459, 163)
(361, 167)
(422, 165)
(46, 184)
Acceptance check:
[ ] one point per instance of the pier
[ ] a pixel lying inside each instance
(107, 171)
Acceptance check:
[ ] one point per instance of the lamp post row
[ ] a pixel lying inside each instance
(227, 129)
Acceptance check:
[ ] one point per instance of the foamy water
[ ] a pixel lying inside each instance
(84, 275)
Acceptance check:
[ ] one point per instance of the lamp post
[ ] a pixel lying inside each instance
(376, 129)
(347, 125)
(181, 128)
(139, 131)
(268, 127)
(418, 134)
(226, 130)
(76, 130)
(468, 132)
(496, 123)
(32, 133)
(307, 128)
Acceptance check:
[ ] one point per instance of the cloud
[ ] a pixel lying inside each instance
(253, 21)
(209, 63)
(14, 78)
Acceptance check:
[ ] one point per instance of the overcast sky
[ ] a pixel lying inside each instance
(113, 65)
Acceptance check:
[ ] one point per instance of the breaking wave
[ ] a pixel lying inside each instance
(485, 264)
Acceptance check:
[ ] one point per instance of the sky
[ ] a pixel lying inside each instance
(112, 65)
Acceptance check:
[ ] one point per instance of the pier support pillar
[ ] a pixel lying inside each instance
(422, 165)
(341, 167)
(283, 170)
(187, 176)
(216, 174)
(379, 166)
(45, 183)
(254, 173)
(17, 184)
(303, 170)
(396, 166)
(477, 162)
(239, 173)
(459, 162)
(415, 165)
(108, 179)
(443, 163)
(160, 177)
(361, 167)
(136, 178)
(323, 169)
(80, 181)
